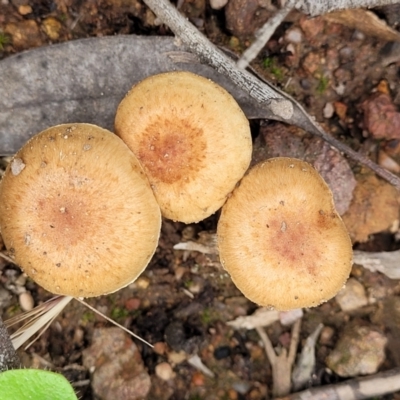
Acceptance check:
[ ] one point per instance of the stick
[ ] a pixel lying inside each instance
(315, 7)
(211, 55)
(264, 34)
(354, 389)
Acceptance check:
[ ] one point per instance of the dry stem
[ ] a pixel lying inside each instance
(282, 363)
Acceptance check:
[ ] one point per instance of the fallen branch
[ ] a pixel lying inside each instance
(264, 34)
(277, 104)
(354, 389)
(315, 7)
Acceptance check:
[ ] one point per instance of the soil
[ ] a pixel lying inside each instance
(184, 299)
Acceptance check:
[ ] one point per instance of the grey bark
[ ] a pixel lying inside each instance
(319, 7)
(8, 356)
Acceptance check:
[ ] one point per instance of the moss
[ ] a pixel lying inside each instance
(87, 317)
(208, 316)
(119, 313)
(271, 66)
(323, 84)
(4, 39)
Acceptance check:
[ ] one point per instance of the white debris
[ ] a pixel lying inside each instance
(196, 362)
(290, 317)
(305, 365)
(17, 165)
(261, 317)
(218, 4)
(294, 35)
(328, 110)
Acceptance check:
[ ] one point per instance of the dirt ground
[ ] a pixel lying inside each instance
(183, 300)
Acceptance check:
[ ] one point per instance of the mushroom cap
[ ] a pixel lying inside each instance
(281, 239)
(192, 139)
(77, 212)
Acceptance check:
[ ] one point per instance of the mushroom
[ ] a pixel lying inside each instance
(77, 212)
(281, 239)
(192, 139)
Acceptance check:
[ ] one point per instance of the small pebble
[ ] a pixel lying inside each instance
(142, 283)
(79, 335)
(290, 48)
(25, 9)
(52, 27)
(21, 280)
(132, 304)
(5, 298)
(175, 357)
(241, 387)
(198, 379)
(328, 110)
(26, 301)
(164, 371)
(232, 394)
(294, 35)
(352, 296)
(222, 352)
(160, 348)
(326, 335)
(359, 351)
(179, 272)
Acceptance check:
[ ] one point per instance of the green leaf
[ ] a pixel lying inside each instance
(34, 384)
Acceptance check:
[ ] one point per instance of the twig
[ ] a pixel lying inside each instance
(282, 363)
(355, 389)
(313, 127)
(113, 322)
(211, 55)
(317, 7)
(277, 104)
(264, 34)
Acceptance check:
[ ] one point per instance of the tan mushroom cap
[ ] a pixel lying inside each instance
(192, 139)
(281, 239)
(77, 212)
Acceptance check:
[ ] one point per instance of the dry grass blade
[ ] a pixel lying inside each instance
(38, 319)
(114, 323)
(7, 258)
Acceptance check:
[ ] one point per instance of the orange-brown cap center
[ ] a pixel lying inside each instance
(171, 150)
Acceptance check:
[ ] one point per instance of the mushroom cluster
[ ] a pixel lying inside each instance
(80, 210)
(281, 239)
